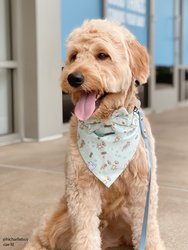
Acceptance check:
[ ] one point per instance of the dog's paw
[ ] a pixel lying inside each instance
(34, 246)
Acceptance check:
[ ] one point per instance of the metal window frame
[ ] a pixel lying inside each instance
(9, 64)
(14, 65)
(159, 97)
(181, 68)
(177, 88)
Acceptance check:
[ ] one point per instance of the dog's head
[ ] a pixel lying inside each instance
(103, 62)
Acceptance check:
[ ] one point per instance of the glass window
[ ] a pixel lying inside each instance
(5, 46)
(6, 114)
(183, 84)
(186, 84)
(68, 107)
(164, 76)
(143, 95)
(6, 87)
(164, 33)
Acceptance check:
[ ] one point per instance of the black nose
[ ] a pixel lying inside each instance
(75, 79)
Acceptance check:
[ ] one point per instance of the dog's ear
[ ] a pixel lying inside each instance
(139, 61)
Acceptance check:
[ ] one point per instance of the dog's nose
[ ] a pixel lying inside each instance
(75, 79)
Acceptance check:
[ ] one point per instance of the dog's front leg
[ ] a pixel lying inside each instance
(136, 208)
(84, 205)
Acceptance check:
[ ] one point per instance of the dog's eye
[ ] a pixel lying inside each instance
(73, 57)
(102, 56)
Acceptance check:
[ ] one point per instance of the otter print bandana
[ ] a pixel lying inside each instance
(107, 147)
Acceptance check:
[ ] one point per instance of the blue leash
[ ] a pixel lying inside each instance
(146, 210)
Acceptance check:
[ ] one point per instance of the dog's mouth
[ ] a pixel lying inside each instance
(88, 103)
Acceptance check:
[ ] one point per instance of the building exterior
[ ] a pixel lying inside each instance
(32, 51)
(30, 66)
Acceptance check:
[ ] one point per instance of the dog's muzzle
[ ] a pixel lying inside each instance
(75, 79)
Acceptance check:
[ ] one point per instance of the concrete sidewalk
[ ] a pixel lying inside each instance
(32, 180)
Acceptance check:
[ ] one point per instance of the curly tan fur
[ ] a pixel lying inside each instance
(91, 216)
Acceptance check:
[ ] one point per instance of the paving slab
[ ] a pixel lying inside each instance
(44, 155)
(170, 130)
(32, 181)
(173, 219)
(25, 197)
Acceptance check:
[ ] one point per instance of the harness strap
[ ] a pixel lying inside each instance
(146, 210)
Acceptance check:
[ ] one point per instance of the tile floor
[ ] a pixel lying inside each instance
(32, 180)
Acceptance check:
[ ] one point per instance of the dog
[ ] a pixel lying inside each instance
(104, 60)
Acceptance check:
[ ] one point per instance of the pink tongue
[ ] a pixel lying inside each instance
(85, 106)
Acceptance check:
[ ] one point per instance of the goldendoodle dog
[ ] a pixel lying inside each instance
(107, 166)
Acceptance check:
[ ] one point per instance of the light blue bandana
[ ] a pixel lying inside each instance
(107, 147)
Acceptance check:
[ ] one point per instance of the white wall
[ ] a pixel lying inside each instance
(39, 67)
(48, 67)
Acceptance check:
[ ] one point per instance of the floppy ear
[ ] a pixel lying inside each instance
(139, 61)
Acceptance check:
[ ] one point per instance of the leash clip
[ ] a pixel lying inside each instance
(135, 109)
(142, 126)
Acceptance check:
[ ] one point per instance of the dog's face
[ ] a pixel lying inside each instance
(103, 61)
